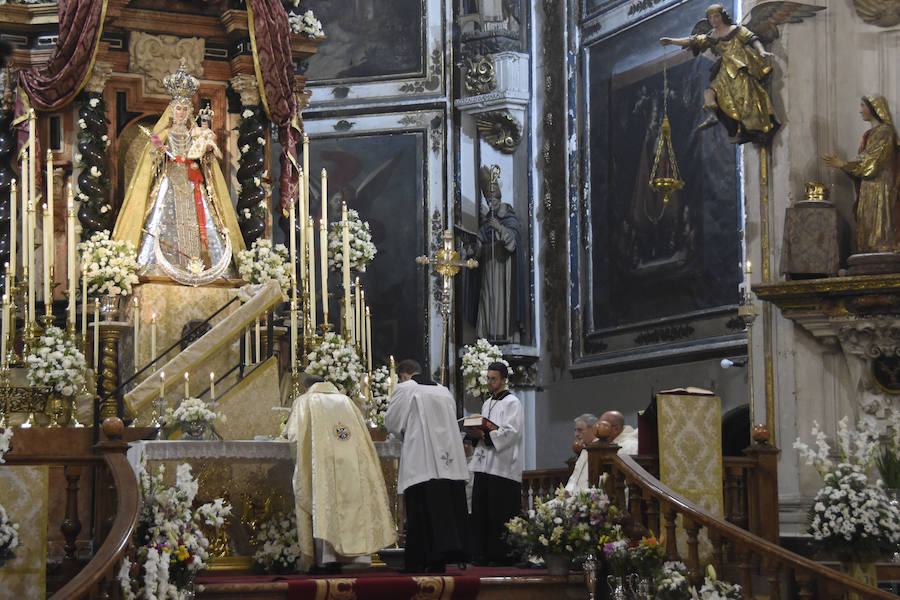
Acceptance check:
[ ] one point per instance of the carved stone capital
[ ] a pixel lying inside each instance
(247, 88)
(156, 56)
(99, 77)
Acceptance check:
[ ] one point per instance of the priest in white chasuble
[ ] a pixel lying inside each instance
(339, 492)
(433, 472)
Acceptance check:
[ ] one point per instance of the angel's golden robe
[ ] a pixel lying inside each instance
(339, 491)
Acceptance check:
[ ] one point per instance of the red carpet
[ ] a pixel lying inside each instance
(456, 584)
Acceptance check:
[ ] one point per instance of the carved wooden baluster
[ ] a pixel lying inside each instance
(653, 515)
(741, 518)
(718, 542)
(634, 504)
(773, 570)
(71, 525)
(619, 482)
(804, 584)
(744, 568)
(671, 544)
(693, 559)
(731, 496)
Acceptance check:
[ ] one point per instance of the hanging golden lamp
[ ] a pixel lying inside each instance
(664, 176)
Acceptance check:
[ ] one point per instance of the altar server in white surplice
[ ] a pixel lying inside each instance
(433, 472)
(339, 492)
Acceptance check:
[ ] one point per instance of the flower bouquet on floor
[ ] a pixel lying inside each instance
(277, 545)
(643, 557)
(566, 524)
(850, 517)
(9, 537)
(171, 546)
(265, 262)
(716, 589)
(111, 265)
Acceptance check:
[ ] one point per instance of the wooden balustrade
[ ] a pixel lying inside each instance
(540, 484)
(70, 450)
(738, 555)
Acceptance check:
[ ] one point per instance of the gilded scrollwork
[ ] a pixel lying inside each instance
(481, 77)
(156, 56)
(500, 130)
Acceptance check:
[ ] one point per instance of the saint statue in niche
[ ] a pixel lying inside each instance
(177, 207)
(501, 259)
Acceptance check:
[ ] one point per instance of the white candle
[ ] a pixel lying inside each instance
(293, 241)
(301, 219)
(52, 237)
(323, 268)
(70, 254)
(324, 196)
(162, 385)
(45, 224)
(153, 336)
(293, 336)
(84, 301)
(32, 274)
(305, 207)
(13, 228)
(187, 385)
(247, 346)
(312, 274)
(137, 332)
(96, 333)
(4, 330)
(212, 386)
(345, 267)
(368, 341)
(357, 329)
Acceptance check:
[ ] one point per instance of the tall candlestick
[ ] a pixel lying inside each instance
(306, 174)
(293, 337)
(23, 193)
(4, 330)
(362, 324)
(84, 301)
(368, 340)
(392, 375)
(70, 254)
(293, 241)
(96, 333)
(323, 268)
(187, 385)
(45, 224)
(153, 336)
(357, 322)
(49, 195)
(301, 219)
(345, 267)
(32, 274)
(324, 196)
(310, 238)
(212, 386)
(13, 228)
(32, 154)
(137, 331)
(6, 279)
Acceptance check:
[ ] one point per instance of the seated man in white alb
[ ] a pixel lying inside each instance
(625, 436)
(584, 426)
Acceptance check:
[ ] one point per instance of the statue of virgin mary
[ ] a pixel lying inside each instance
(177, 207)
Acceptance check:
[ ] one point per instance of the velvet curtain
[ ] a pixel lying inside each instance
(270, 38)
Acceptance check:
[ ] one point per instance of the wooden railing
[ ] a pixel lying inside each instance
(116, 504)
(736, 553)
(749, 484)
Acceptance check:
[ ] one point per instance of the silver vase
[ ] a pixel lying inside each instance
(109, 307)
(590, 575)
(193, 430)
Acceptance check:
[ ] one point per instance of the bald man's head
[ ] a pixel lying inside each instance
(616, 420)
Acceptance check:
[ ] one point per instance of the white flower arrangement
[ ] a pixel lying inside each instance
(9, 537)
(195, 410)
(335, 360)
(672, 582)
(475, 361)
(277, 545)
(56, 362)
(111, 264)
(306, 24)
(264, 262)
(362, 250)
(171, 546)
(850, 517)
(5, 438)
(380, 383)
(716, 589)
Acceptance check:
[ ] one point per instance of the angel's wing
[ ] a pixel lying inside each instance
(701, 28)
(883, 13)
(765, 18)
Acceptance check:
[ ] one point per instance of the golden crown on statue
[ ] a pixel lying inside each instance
(181, 85)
